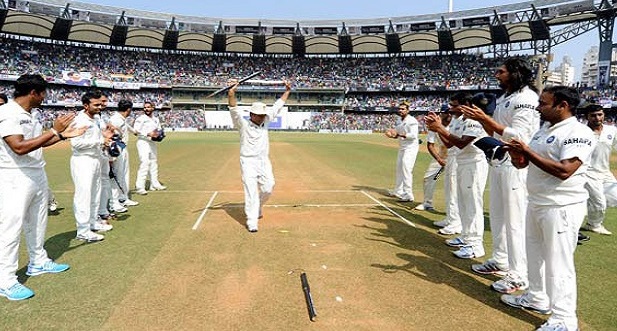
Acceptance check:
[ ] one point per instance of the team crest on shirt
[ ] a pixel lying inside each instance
(550, 139)
(609, 137)
(507, 104)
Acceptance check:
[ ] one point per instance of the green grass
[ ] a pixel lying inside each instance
(153, 272)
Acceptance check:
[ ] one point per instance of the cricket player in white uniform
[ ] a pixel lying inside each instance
(439, 152)
(601, 182)
(101, 120)
(472, 172)
(515, 117)
(557, 155)
(451, 224)
(148, 127)
(23, 184)
(257, 176)
(406, 132)
(86, 169)
(120, 166)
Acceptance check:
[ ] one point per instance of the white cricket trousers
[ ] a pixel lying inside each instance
(86, 174)
(450, 188)
(148, 164)
(507, 208)
(405, 161)
(552, 234)
(121, 170)
(23, 204)
(602, 194)
(471, 180)
(430, 182)
(105, 187)
(258, 182)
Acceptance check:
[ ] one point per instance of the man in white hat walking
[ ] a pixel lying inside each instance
(257, 176)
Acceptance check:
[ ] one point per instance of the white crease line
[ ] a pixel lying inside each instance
(316, 205)
(203, 213)
(389, 209)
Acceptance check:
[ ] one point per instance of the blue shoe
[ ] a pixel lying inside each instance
(49, 267)
(17, 292)
(456, 242)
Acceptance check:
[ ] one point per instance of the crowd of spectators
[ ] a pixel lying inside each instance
(458, 71)
(371, 85)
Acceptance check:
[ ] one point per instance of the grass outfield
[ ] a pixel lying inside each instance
(372, 263)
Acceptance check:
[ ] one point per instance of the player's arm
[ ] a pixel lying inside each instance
(562, 169)
(278, 105)
(487, 122)
(433, 123)
(432, 149)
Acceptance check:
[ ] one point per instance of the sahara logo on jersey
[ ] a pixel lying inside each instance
(579, 141)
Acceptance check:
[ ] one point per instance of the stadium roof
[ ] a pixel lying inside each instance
(92, 23)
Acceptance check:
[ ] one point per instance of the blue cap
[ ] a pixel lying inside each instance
(444, 108)
(493, 149)
(485, 101)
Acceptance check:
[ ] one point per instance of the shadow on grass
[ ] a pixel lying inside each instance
(55, 246)
(234, 210)
(438, 265)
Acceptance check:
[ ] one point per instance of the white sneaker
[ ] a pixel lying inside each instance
(441, 224)
(252, 227)
(451, 229)
(597, 229)
(509, 284)
(141, 191)
(130, 203)
(489, 267)
(158, 188)
(101, 227)
(118, 208)
(90, 237)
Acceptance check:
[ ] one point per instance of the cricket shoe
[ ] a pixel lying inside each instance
(489, 267)
(582, 238)
(129, 203)
(469, 252)
(141, 191)
(90, 237)
(53, 205)
(17, 292)
(509, 284)
(521, 301)
(456, 242)
(101, 227)
(49, 267)
(158, 188)
(597, 229)
(118, 208)
(559, 326)
(441, 224)
(451, 229)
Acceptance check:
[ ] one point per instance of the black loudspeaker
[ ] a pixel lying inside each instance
(344, 45)
(499, 34)
(298, 45)
(170, 40)
(259, 44)
(118, 35)
(539, 30)
(446, 42)
(393, 42)
(219, 43)
(61, 29)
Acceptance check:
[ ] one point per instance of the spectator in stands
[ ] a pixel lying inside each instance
(3, 99)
